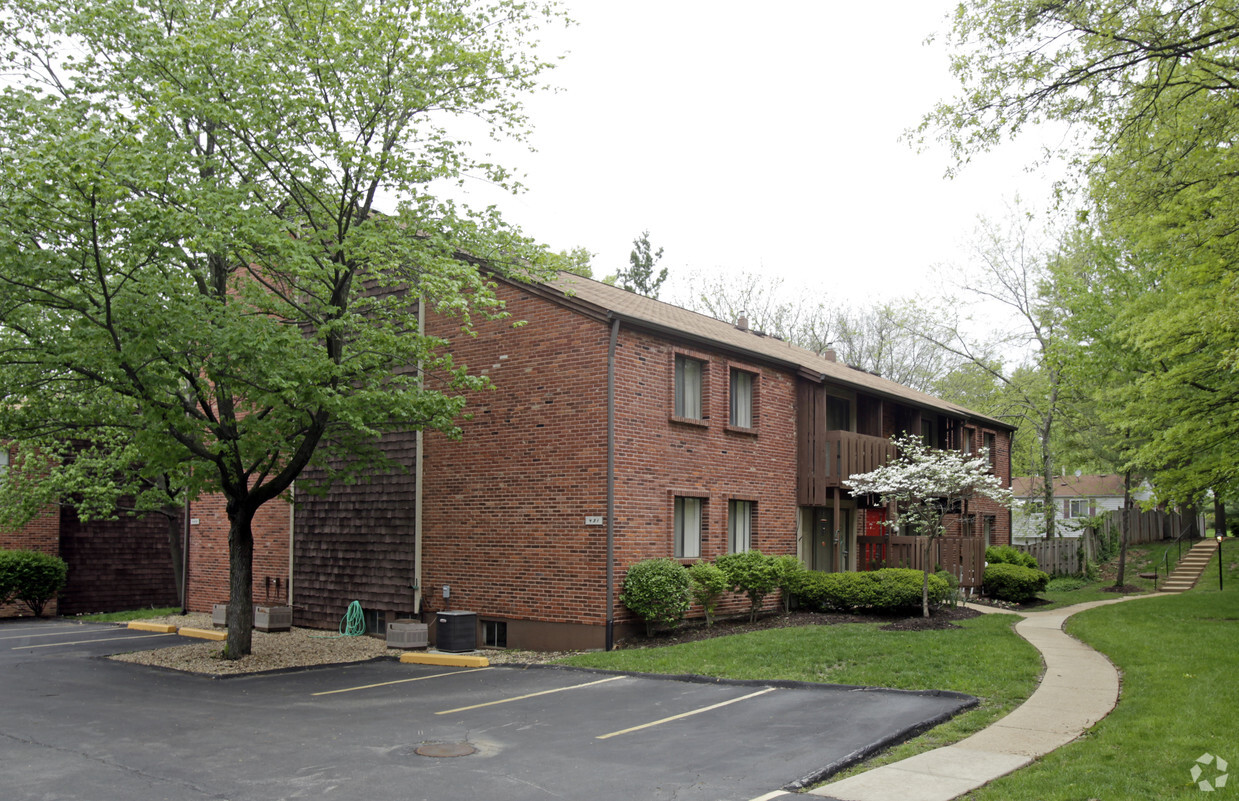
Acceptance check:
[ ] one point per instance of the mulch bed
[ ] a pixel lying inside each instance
(694, 630)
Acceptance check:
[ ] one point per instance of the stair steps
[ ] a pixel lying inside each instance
(1187, 572)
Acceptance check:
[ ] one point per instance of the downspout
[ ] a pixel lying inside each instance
(417, 481)
(611, 484)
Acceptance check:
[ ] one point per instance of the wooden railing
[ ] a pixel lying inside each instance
(849, 453)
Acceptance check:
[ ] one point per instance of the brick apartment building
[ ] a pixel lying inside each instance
(618, 428)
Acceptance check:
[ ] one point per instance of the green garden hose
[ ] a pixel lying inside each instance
(353, 624)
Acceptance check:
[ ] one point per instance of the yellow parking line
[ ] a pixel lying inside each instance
(86, 642)
(530, 695)
(686, 714)
(400, 681)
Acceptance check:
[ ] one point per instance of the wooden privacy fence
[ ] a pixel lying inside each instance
(1067, 556)
(1063, 557)
(964, 557)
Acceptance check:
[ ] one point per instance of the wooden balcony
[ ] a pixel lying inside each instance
(834, 456)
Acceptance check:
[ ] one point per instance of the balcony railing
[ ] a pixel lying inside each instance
(849, 454)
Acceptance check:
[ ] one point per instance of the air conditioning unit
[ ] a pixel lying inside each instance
(407, 633)
(456, 632)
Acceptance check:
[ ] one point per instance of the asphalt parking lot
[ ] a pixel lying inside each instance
(78, 726)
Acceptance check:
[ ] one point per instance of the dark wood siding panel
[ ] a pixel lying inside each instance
(356, 542)
(116, 564)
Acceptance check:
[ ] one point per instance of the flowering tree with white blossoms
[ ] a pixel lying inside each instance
(925, 484)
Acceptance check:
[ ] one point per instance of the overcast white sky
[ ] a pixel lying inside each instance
(763, 139)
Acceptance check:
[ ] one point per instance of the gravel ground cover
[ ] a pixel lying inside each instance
(298, 648)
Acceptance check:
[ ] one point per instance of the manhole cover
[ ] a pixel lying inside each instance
(445, 750)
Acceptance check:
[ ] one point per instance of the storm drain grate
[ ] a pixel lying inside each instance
(445, 750)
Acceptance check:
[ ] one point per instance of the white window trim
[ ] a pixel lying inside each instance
(688, 404)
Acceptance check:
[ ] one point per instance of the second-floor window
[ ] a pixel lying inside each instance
(989, 447)
(688, 375)
(687, 528)
(739, 526)
(838, 414)
(741, 399)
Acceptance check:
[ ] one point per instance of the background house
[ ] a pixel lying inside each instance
(1075, 497)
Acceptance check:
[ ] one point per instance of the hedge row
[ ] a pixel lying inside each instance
(31, 577)
(887, 589)
(659, 590)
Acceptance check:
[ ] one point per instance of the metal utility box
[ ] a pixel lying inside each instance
(456, 632)
(407, 634)
(273, 618)
(219, 615)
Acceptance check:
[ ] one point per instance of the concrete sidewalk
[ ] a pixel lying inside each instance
(1080, 687)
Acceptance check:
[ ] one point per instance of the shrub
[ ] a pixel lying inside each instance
(752, 573)
(1006, 555)
(706, 584)
(656, 590)
(1015, 583)
(788, 569)
(31, 577)
(900, 588)
(882, 590)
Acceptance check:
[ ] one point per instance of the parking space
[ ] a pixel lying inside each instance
(78, 723)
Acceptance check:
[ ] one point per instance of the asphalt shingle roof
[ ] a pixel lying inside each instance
(648, 312)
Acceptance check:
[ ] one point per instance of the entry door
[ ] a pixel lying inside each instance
(824, 540)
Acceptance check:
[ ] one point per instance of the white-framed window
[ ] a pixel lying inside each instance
(4, 462)
(968, 440)
(990, 441)
(687, 527)
(741, 399)
(739, 526)
(688, 384)
(1078, 507)
(987, 529)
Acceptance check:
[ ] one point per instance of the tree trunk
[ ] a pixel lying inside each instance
(240, 581)
(1048, 506)
(925, 581)
(1219, 515)
(1124, 531)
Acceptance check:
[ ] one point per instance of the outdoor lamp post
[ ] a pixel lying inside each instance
(1219, 562)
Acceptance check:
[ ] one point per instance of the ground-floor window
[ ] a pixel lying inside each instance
(495, 633)
(688, 528)
(739, 526)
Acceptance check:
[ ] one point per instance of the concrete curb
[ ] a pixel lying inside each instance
(1080, 686)
(446, 660)
(203, 634)
(161, 628)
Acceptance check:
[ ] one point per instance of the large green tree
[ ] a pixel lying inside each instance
(1150, 91)
(192, 254)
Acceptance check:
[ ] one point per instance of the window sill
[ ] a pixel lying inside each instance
(752, 432)
(691, 421)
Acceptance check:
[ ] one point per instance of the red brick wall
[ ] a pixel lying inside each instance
(504, 520)
(208, 553)
(658, 457)
(505, 506)
(40, 534)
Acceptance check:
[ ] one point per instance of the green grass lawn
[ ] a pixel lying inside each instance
(984, 657)
(1179, 697)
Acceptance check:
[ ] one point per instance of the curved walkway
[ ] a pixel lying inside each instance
(1080, 687)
